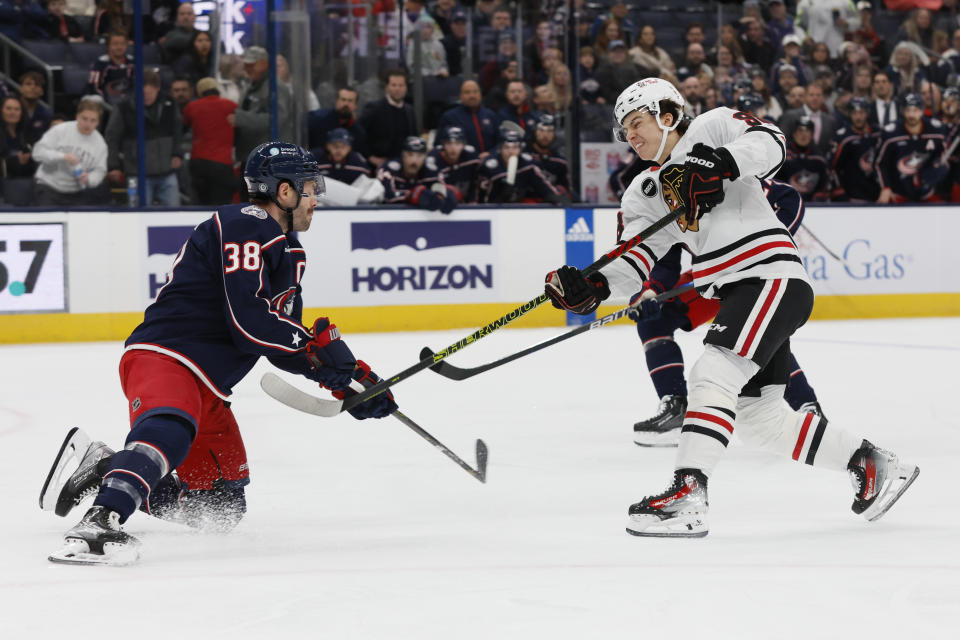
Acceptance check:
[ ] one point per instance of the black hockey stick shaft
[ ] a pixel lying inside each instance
(825, 247)
(504, 320)
(454, 372)
(480, 473)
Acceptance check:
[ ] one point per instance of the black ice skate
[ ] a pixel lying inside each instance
(663, 429)
(62, 492)
(879, 480)
(98, 539)
(678, 512)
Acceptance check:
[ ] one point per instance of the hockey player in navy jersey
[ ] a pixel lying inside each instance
(509, 174)
(707, 176)
(408, 180)
(456, 162)
(910, 162)
(233, 296)
(657, 323)
(551, 162)
(854, 151)
(804, 168)
(337, 159)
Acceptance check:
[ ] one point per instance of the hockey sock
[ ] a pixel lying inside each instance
(767, 423)
(715, 382)
(155, 446)
(665, 363)
(799, 392)
(164, 500)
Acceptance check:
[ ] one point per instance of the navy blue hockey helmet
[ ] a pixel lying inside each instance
(859, 102)
(451, 132)
(340, 135)
(415, 144)
(913, 100)
(273, 163)
(546, 121)
(749, 102)
(805, 122)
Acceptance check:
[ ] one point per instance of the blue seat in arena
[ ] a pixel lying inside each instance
(53, 52)
(85, 53)
(75, 80)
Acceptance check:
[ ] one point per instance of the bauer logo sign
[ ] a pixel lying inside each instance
(421, 256)
(32, 274)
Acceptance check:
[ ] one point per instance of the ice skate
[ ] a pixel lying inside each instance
(62, 492)
(663, 429)
(879, 479)
(98, 539)
(678, 512)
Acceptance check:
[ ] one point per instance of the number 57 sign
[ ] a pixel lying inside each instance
(31, 268)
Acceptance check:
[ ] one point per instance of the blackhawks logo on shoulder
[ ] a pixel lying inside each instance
(671, 185)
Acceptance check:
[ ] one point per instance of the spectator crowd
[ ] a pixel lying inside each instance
(870, 108)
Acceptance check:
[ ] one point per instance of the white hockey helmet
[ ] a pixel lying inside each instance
(645, 95)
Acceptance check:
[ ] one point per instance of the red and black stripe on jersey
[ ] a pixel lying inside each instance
(641, 259)
(763, 247)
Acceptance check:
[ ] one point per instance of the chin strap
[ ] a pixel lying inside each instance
(288, 210)
(663, 137)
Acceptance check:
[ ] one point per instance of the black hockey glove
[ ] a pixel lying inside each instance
(379, 406)
(569, 289)
(705, 170)
(330, 356)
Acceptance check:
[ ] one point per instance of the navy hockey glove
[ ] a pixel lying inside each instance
(702, 186)
(330, 355)
(569, 289)
(379, 406)
(425, 198)
(648, 307)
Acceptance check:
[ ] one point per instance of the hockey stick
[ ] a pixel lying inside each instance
(825, 247)
(333, 407)
(281, 390)
(454, 372)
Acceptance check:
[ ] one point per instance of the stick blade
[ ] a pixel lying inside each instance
(481, 461)
(427, 352)
(284, 392)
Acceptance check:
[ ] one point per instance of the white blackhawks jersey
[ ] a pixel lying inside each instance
(740, 238)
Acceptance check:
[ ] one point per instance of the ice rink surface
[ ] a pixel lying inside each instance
(363, 530)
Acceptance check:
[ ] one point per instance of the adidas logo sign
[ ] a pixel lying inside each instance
(579, 231)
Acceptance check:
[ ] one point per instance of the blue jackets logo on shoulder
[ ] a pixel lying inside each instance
(421, 236)
(255, 211)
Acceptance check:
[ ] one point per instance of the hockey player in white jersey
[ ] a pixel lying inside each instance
(744, 257)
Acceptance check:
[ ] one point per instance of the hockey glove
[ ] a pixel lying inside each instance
(425, 198)
(645, 306)
(569, 289)
(379, 406)
(702, 186)
(330, 356)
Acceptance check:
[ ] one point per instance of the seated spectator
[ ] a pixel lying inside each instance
(181, 91)
(560, 83)
(456, 163)
(907, 69)
(341, 116)
(15, 149)
(486, 37)
(36, 115)
(854, 149)
(496, 183)
(177, 41)
(862, 82)
(617, 72)
(917, 28)
(433, 61)
(496, 98)
(163, 129)
(853, 57)
(757, 48)
(455, 42)
(608, 34)
(544, 100)
(478, 123)
(824, 78)
(406, 180)
(211, 119)
(111, 19)
(910, 165)
(728, 71)
(823, 123)
(589, 85)
(693, 34)
(544, 150)
(780, 24)
(772, 106)
(534, 48)
(72, 159)
(197, 61)
(805, 169)
(338, 160)
(791, 57)
(111, 75)
(619, 13)
(868, 37)
(442, 13)
(506, 55)
(57, 25)
(285, 76)
(389, 121)
(694, 63)
(518, 108)
(648, 55)
(692, 92)
(787, 78)
(551, 57)
(820, 56)
(21, 19)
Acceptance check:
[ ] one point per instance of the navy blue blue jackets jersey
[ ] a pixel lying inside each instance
(398, 188)
(853, 156)
(806, 171)
(553, 165)
(110, 80)
(462, 176)
(352, 167)
(530, 182)
(479, 127)
(912, 165)
(233, 296)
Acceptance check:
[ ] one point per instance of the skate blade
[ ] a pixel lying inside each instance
(669, 438)
(71, 451)
(883, 506)
(78, 552)
(683, 527)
